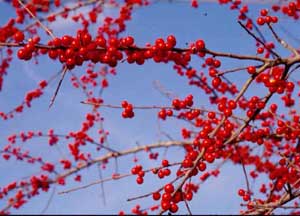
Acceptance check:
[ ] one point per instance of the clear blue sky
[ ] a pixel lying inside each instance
(215, 24)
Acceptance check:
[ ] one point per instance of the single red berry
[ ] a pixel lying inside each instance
(166, 197)
(202, 166)
(273, 108)
(241, 192)
(188, 196)
(19, 36)
(260, 21)
(173, 208)
(260, 50)
(21, 53)
(165, 205)
(264, 12)
(246, 197)
(129, 41)
(165, 163)
(200, 45)
(167, 172)
(162, 114)
(169, 188)
(251, 70)
(169, 112)
(161, 174)
(156, 196)
(140, 180)
(171, 40)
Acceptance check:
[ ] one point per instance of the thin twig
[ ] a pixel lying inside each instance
(58, 86)
(257, 39)
(282, 42)
(49, 201)
(37, 20)
(187, 207)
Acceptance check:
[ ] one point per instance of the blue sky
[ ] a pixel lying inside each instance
(215, 24)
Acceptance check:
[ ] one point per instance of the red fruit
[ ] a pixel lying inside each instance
(260, 21)
(216, 82)
(124, 104)
(176, 103)
(211, 115)
(169, 188)
(202, 166)
(251, 70)
(173, 208)
(101, 41)
(241, 192)
(188, 196)
(19, 36)
(161, 174)
(273, 108)
(264, 12)
(246, 197)
(169, 112)
(167, 172)
(165, 163)
(171, 40)
(162, 114)
(200, 45)
(166, 197)
(21, 53)
(165, 205)
(156, 196)
(129, 41)
(140, 180)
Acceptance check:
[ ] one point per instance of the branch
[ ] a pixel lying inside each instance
(37, 20)
(282, 42)
(64, 71)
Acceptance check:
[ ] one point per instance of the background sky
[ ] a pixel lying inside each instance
(216, 24)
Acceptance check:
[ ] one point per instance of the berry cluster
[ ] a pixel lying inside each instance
(128, 110)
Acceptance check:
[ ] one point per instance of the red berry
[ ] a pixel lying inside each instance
(19, 36)
(21, 53)
(165, 163)
(171, 40)
(165, 205)
(166, 197)
(162, 114)
(246, 197)
(241, 192)
(202, 166)
(174, 208)
(156, 196)
(140, 180)
(129, 41)
(260, 21)
(264, 12)
(251, 70)
(169, 188)
(200, 45)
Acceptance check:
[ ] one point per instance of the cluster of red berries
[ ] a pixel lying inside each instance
(26, 52)
(128, 110)
(291, 9)
(74, 51)
(183, 104)
(138, 170)
(163, 113)
(162, 172)
(272, 79)
(265, 19)
(226, 107)
(244, 194)
(167, 201)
